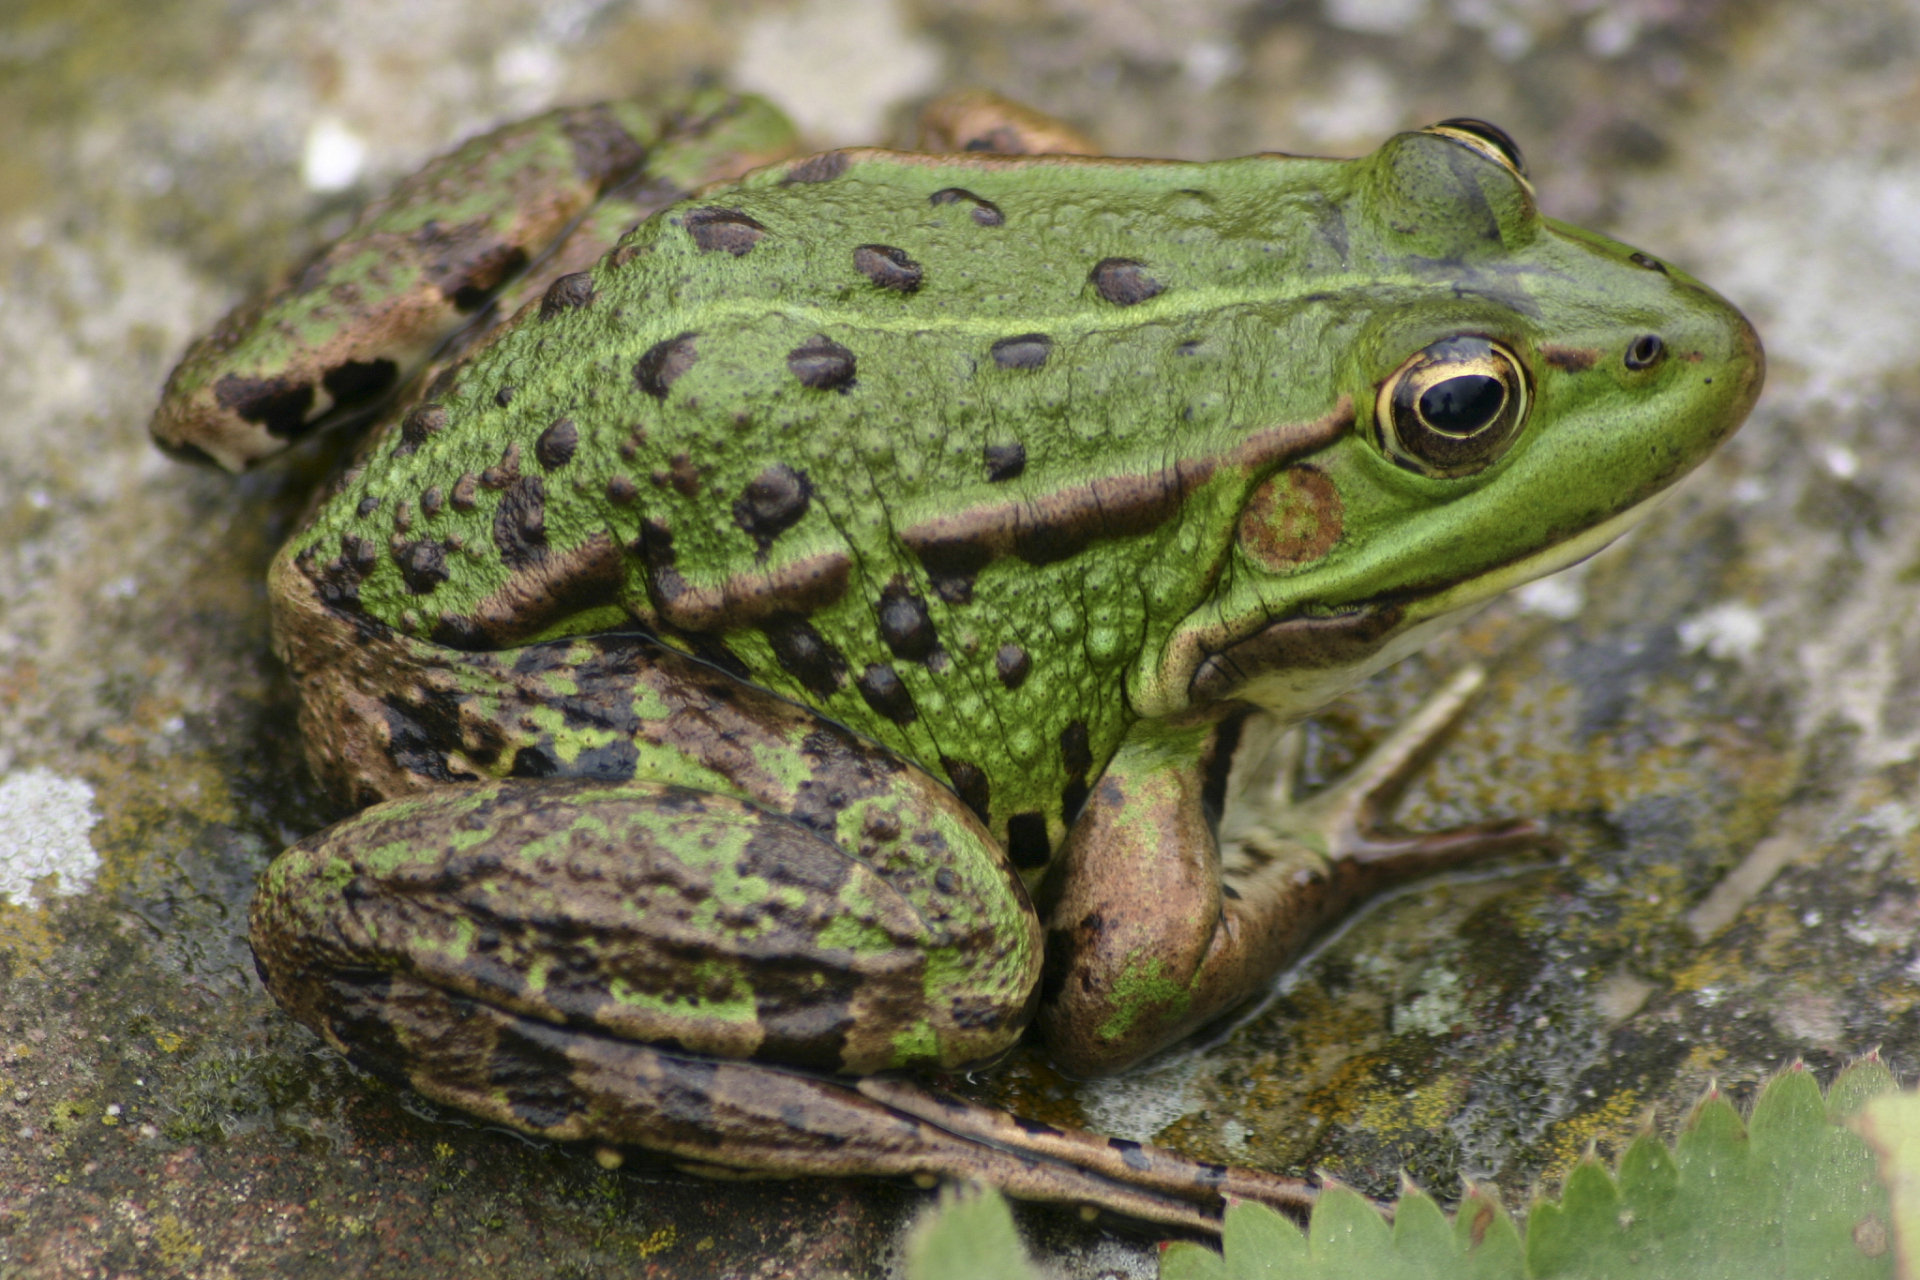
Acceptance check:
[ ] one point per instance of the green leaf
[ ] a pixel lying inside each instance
(1184, 1260)
(1260, 1244)
(1790, 1193)
(969, 1235)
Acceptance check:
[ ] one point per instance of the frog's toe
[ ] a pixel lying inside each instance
(1348, 823)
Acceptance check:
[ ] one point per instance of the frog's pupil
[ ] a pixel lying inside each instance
(1645, 351)
(1462, 405)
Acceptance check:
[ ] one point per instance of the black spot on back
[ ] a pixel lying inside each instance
(887, 694)
(423, 565)
(566, 293)
(520, 522)
(772, 503)
(1023, 351)
(663, 363)
(904, 623)
(984, 212)
(556, 444)
(805, 654)
(1005, 461)
(821, 168)
(1012, 665)
(422, 421)
(723, 230)
(1122, 281)
(888, 267)
(822, 364)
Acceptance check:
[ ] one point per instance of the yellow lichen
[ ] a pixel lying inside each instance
(1611, 1125)
(175, 1244)
(665, 1238)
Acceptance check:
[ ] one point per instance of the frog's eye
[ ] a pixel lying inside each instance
(1490, 140)
(1645, 352)
(1453, 408)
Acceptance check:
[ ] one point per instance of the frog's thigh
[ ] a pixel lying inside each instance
(650, 912)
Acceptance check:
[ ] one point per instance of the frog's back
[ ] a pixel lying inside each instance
(938, 446)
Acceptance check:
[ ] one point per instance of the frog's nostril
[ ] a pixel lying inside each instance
(1645, 352)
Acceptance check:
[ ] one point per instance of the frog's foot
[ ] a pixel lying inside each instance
(728, 1118)
(1348, 821)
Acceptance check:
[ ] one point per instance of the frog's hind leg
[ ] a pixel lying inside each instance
(717, 1117)
(649, 964)
(663, 914)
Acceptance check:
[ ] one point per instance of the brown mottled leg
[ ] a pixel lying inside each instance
(978, 121)
(1146, 940)
(751, 1118)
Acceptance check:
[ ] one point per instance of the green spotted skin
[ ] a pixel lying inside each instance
(968, 517)
(732, 645)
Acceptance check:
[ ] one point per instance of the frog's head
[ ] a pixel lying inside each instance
(1520, 392)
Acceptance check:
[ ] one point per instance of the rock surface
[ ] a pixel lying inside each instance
(1721, 718)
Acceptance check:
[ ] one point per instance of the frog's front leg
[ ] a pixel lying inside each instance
(1148, 940)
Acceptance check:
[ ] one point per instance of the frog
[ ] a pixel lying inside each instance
(800, 623)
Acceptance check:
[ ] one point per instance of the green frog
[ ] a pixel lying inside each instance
(807, 626)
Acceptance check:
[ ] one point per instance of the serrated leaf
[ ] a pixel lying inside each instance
(1346, 1228)
(1420, 1228)
(1484, 1232)
(1859, 1082)
(1648, 1174)
(1787, 1195)
(1184, 1260)
(1890, 1123)
(1261, 1244)
(968, 1236)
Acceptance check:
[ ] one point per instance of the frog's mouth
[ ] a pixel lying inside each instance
(1292, 666)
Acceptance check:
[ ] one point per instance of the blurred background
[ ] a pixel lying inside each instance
(1721, 717)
